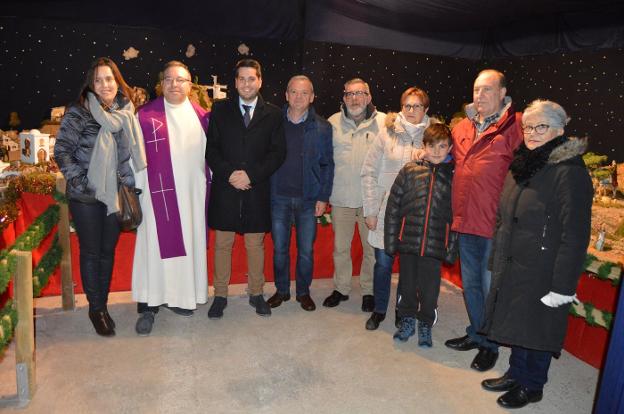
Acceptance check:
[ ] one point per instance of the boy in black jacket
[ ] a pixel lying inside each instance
(418, 226)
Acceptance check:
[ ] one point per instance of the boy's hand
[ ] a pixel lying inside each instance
(319, 208)
(418, 154)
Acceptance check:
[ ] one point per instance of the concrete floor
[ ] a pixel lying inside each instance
(293, 362)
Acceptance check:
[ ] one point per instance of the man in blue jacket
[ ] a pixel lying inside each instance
(300, 191)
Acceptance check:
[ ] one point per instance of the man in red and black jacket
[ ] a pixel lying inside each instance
(483, 146)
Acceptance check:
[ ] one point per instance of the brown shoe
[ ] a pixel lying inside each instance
(306, 302)
(277, 299)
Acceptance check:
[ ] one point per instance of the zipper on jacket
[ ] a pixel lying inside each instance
(424, 237)
(446, 235)
(544, 233)
(402, 227)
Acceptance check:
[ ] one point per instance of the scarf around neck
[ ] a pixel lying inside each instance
(103, 166)
(413, 130)
(527, 163)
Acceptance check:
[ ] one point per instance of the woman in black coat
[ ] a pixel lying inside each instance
(539, 246)
(104, 91)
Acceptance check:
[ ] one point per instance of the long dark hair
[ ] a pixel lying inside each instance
(88, 85)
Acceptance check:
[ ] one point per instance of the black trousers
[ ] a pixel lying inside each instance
(419, 287)
(529, 367)
(143, 307)
(97, 238)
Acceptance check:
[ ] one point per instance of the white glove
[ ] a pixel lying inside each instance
(554, 300)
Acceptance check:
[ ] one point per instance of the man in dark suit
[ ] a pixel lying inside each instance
(245, 145)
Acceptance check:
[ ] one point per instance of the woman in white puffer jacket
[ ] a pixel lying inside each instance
(397, 144)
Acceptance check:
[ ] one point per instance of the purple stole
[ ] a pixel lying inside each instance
(160, 176)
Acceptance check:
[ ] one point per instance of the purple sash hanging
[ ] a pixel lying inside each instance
(160, 175)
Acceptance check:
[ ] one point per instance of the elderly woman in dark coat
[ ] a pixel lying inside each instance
(539, 246)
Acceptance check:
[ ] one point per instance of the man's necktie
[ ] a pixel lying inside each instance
(247, 116)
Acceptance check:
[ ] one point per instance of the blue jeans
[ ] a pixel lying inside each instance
(382, 277)
(529, 367)
(286, 211)
(474, 252)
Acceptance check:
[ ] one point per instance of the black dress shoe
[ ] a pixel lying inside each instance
(518, 397)
(277, 299)
(334, 299)
(504, 383)
(101, 324)
(368, 303)
(216, 309)
(258, 302)
(306, 302)
(462, 344)
(375, 319)
(485, 359)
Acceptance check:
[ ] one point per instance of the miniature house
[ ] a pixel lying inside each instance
(35, 146)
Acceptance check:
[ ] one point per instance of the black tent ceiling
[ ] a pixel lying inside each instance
(463, 28)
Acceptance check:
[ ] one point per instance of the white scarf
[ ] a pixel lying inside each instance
(413, 130)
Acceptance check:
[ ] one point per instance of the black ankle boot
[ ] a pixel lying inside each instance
(101, 324)
(110, 320)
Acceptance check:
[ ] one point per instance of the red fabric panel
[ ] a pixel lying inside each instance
(452, 273)
(588, 343)
(7, 237)
(601, 293)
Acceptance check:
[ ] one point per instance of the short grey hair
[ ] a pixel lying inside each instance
(556, 115)
(300, 78)
(356, 80)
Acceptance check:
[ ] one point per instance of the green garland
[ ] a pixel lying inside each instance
(28, 241)
(48, 263)
(8, 264)
(605, 271)
(8, 321)
(592, 315)
(38, 230)
(38, 182)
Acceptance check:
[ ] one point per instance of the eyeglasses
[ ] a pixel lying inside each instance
(169, 80)
(414, 107)
(354, 94)
(540, 129)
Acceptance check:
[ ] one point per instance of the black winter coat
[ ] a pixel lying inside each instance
(259, 150)
(74, 145)
(418, 214)
(540, 243)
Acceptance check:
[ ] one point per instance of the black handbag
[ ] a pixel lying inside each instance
(129, 215)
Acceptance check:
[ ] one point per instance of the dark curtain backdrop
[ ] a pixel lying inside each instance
(43, 64)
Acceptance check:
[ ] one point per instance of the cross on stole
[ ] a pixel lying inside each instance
(162, 192)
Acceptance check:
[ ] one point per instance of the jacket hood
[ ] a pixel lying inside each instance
(569, 149)
(527, 163)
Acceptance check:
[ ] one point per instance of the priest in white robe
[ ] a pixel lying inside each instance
(170, 260)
